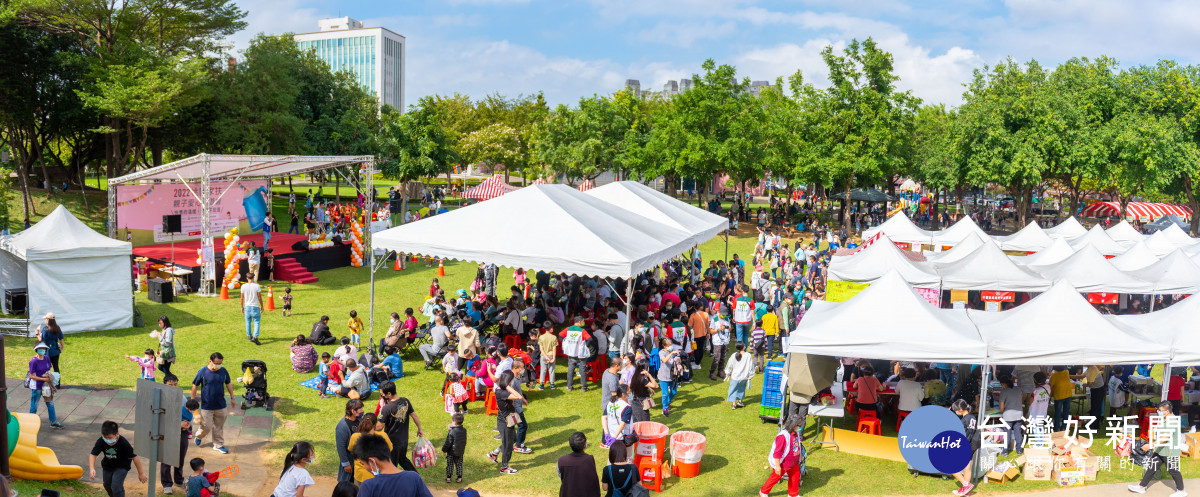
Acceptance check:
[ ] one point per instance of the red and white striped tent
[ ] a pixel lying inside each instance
(1146, 211)
(490, 188)
(540, 181)
(587, 185)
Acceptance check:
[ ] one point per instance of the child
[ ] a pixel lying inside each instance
(356, 326)
(758, 344)
(450, 361)
(118, 454)
(456, 394)
(535, 356)
(1116, 389)
(287, 302)
(1040, 404)
(295, 477)
(548, 346)
(434, 287)
(455, 446)
(962, 408)
(146, 362)
(202, 483)
(335, 374)
(323, 373)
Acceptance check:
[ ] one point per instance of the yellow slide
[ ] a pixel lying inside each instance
(27, 461)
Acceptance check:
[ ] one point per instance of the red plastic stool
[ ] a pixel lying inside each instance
(490, 402)
(870, 425)
(469, 384)
(900, 417)
(596, 368)
(650, 470)
(866, 415)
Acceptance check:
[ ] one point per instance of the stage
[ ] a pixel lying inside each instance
(282, 245)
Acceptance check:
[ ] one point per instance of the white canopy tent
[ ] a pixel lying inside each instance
(1165, 241)
(1177, 236)
(888, 320)
(960, 250)
(899, 228)
(661, 208)
(1099, 239)
(69, 269)
(956, 233)
(1060, 327)
(1124, 233)
(988, 268)
(1057, 251)
(1175, 273)
(1088, 271)
(1068, 229)
(1138, 256)
(1031, 238)
(877, 260)
(1175, 326)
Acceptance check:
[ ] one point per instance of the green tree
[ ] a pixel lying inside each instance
(1084, 97)
(935, 161)
(415, 144)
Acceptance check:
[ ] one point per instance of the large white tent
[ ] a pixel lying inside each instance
(1124, 233)
(888, 320)
(988, 268)
(1165, 241)
(960, 250)
(655, 206)
(1099, 239)
(1031, 238)
(69, 269)
(877, 260)
(1068, 229)
(1177, 236)
(1057, 251)
(583, 234)
(1060, 327)
(1175, 326)
(1088, 271)
(1138, 256)
(956, 233)
(1175, 273)
(899, 228)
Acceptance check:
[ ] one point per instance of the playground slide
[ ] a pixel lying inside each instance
(26, 460)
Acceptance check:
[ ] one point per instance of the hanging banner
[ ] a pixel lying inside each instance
(903, 245)
(1103, 298)
(140, 208)
(841, 291)
(957, 296)
(931, 295)
(990, 296)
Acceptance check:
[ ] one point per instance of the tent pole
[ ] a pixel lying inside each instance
(628, 314)
(208, 269)
(981, 417)
(1166, 381)
(368, 170)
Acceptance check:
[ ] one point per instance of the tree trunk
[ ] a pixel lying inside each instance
(1191, 196)
(846, 205)
(937, 222)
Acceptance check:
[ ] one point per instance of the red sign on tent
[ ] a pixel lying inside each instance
(1102, 298)
(990, 296)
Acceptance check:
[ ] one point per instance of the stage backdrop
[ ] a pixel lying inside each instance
(140, 209)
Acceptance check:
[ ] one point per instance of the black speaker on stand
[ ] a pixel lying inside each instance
(161, 291)
(172, 224)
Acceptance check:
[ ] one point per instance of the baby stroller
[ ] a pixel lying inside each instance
(254, 377)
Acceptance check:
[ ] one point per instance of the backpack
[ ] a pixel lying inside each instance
(637, 490)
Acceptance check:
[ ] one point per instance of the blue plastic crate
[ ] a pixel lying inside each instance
(772, 398)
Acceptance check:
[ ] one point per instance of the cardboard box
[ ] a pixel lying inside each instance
(1038, 464)
(1192, 440)
(1068, 476)
(1003, 472)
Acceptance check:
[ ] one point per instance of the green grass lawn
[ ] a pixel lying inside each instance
(737, 440)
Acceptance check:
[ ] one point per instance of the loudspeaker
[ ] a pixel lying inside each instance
(16, 300)
(396, 205)
(172, 223)
(301, 245)
(161, 291)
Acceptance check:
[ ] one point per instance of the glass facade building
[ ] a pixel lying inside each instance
(374, 56)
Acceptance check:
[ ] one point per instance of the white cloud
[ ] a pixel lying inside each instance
(275, 17)
(684, 34)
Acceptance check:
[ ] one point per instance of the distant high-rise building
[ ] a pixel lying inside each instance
(685, 84)
(375, 56)
(756, 87)
(671, 87)
(634, 85)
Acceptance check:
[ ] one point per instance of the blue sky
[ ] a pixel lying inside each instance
(568, 49)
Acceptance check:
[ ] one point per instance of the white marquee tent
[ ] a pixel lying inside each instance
(1165, 241)
(1068, 229)
(956, 233)
(655, 206)
(988, 268)
(1088, 271)
(899, 228)
(1031, 238)
(1138, 256)
(584, 235)
(69, 269)
(1057, 251)
(960, 250)
(1175, 326)
(877, 260)
(1175, 273)
(1124, 233)
(1177, 236)
(1099, 239)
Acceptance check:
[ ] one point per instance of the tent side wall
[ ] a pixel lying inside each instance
(13, 274)
(86, 294)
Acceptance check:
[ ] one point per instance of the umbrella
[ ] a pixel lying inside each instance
(862, 195)
(809, 374)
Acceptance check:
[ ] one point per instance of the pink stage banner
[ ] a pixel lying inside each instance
(933, 295)
(141, 207)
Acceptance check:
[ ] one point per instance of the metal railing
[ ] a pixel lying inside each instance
(14, 327)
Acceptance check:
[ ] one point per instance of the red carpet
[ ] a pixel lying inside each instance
(186, 255)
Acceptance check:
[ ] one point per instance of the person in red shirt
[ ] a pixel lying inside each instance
(1175, 389)
(785, 458)
(433, 288)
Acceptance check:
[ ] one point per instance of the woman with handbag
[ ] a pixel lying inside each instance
(166, 344)
(41, 383)
(506, 421)
(620, 477)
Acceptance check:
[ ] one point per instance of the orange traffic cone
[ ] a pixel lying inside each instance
(441, 268)
(270, 298)
(398, 267)
(224, 292)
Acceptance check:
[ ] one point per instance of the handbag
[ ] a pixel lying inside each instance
(511, 420)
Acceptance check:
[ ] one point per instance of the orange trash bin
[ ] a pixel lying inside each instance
(652, 441)
(687, 448)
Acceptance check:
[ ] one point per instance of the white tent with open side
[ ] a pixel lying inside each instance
(988, 268)
(1175, 273)
(655, 206)
(888, 320)
(878, 259)
(1060, 327)
(69, 269)
(1068, 229)
(1124, 233)
(583, 234)
(899, 228)
(1088, 271)
(1175, 326)
(1031, 238)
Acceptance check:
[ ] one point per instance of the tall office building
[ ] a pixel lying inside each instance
(375, 56)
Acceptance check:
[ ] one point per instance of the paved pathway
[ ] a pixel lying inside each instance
(82, 410)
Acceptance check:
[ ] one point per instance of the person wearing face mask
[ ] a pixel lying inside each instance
(207, 385)
(40, 382)
(395, 336)
(387, 480)
(118, 454)
(295, 478)
(341, 438)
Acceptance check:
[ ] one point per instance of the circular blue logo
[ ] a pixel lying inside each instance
(932, 440)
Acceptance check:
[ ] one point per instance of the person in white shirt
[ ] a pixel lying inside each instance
(718, 329)
(252, 307)
(1116, 390)
(909, 392)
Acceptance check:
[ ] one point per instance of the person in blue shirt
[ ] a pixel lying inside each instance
(185, 430)
(388, 480)
(207, 385)
(392, 364)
